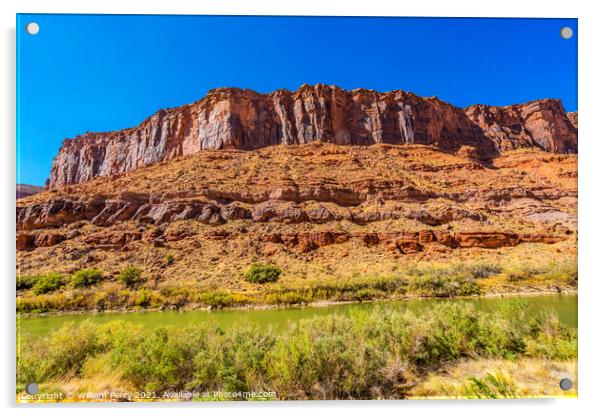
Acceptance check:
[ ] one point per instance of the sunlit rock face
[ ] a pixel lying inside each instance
(232, 118)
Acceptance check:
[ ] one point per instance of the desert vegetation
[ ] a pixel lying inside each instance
(262, 273)
(358, 356)
(90, 290)
(47, 283)
(86, 277)
(130, 276)
(492, 378)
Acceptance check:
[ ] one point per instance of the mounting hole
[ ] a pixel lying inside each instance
(566, 384)
(32, 388)
(32, 28)
(566, 32)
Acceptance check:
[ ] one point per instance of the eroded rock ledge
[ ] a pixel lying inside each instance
(46, 224)
(402, 242)
(409, 242)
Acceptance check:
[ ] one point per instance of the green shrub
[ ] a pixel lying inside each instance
(64, 352)
(143, 298)
(565, 272)
(157, 360)
(86, 277)
(262, 273)
(26, 282)
(216, 299)
(233, 360)
(332, 357)
(130, 276)
(48, 283)
(444, 285)
(522, 272)
(551, 339)
(169, 259)
(479, 270)
(339, 227)
(287, 297)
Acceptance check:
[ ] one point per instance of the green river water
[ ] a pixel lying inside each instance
(31, 327)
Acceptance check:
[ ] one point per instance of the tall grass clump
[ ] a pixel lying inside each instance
(518, 273)
(216, 299)
(491, 386)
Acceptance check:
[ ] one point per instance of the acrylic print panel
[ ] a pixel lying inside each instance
(295, 208)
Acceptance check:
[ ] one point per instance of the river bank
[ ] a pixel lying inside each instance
(564, 305)
(451, 281)
(393, 350)
(520, 292)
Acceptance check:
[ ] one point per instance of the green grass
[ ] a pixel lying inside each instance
(361, 355)
(491, 386)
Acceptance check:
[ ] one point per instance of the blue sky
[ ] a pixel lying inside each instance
(100, 73)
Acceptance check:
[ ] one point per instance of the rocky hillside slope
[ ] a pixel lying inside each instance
(304, 208)
(27, 190)
(232, 118)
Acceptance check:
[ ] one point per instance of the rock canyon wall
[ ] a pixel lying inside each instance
(232, 118)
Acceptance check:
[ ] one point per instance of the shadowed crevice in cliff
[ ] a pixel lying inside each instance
(233, 118)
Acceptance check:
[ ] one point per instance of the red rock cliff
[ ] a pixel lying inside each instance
(244, 119)
(541, 123)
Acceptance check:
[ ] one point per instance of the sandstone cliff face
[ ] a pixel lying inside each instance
(541, 123)
(231, 118)
(574, 118)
